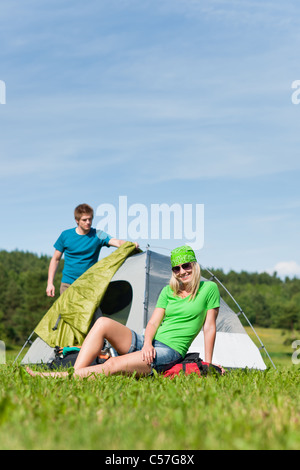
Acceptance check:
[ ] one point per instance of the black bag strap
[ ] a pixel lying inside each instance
(194, 357)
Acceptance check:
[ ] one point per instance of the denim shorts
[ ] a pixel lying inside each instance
(165, 357)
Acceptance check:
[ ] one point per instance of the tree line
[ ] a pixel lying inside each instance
(267, 300)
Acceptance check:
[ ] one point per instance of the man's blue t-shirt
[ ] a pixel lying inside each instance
(80, 251)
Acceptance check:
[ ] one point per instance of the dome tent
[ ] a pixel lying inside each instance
(125, 286)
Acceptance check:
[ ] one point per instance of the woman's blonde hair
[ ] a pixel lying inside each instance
(193, 286)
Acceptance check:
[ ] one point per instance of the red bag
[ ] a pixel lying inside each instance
(192, 363)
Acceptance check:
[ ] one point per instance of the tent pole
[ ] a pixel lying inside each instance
(25, 344)
(146, 294)
(243, 313)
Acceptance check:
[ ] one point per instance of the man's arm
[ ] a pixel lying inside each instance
(52, 271)
(117, 243)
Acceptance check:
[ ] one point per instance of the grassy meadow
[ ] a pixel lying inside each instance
(240, 411)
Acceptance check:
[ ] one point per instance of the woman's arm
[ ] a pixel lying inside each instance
(148, 351)
(209, 330)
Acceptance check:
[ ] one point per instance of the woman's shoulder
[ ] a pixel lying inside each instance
(167, 290)
(207, 285)
(164, 297)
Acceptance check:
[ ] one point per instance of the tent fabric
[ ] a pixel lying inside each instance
(39, 353)
(73, 311)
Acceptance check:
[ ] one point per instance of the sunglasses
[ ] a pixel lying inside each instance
(185, 266)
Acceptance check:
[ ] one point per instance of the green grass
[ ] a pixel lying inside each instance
(278, 344)
(242, 410)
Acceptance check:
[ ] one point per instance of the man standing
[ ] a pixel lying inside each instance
(81, 247)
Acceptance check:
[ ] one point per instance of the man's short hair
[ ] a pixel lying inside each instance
(83, 209)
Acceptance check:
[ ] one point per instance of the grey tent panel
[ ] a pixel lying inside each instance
(39, 353)
(133, 271)
(228, 321)
(159, 277)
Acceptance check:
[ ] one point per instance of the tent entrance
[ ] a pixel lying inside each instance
(117, 301)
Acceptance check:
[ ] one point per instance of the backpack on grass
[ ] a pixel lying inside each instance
(192, 363)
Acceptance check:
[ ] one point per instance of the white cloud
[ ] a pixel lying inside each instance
(286, 268)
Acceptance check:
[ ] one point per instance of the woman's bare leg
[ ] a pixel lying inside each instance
(126, 364)
(118, 335)
(46, 374)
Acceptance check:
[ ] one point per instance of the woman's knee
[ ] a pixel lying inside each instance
(118, 335)
(112, 366)
(102, 323)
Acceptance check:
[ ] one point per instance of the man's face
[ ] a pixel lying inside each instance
(85, 222)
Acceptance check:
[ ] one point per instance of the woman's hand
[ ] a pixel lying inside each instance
(223, 371)
(148, 354)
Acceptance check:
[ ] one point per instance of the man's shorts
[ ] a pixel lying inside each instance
(165, 357)
(64, 286)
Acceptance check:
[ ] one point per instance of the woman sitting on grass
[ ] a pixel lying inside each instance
(183, 307)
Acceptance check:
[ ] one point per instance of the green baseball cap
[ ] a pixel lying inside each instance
(183, 254)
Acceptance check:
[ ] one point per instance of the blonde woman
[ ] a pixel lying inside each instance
(183, 307)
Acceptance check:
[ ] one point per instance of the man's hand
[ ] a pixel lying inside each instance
(50, 291)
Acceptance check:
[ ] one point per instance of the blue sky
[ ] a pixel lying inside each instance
(161, 101)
